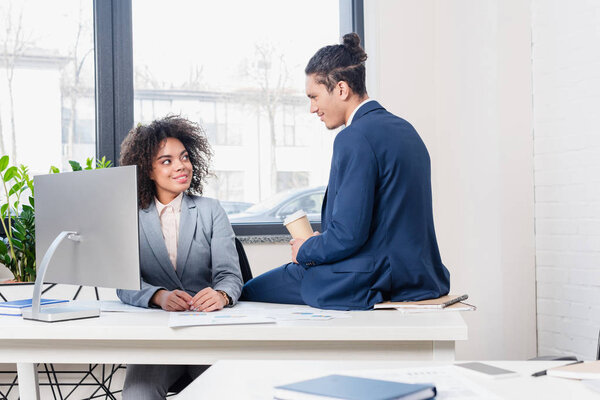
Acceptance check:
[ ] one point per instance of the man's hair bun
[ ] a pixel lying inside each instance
(352, 43)
(340, 62)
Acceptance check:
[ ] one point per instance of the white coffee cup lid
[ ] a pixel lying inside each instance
(292, 217)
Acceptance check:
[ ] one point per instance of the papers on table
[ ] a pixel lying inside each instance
(241, 313)
(117, 306)
(450, 383)
(444, 303)
(453, 307)
(251, 313)
(181, 319)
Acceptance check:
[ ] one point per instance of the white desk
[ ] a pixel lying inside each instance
(145, 338)
(254, 380)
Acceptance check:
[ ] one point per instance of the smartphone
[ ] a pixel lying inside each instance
(488, 370)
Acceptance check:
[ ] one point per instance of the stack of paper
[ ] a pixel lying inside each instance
(16, 307)
(586, 370)
(448, 302)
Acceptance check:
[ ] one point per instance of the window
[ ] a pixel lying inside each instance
(226, 186)
(47, 106)
(202, 57)
(241, 76)
(291, 179)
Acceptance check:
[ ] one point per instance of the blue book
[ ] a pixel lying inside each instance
(353, 388)
(16, 307)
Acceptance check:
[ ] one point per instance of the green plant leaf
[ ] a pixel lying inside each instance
(27, 208)
(3, 163)
(54, 170)
(103, 163)
(10, 173)
(32, 201)
(16, 188)
(18, 235)
(88, 162)
(3, 249)
(3, 210)
(17, 243)
(75, 165)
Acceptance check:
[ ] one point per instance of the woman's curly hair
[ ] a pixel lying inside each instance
(142, 143)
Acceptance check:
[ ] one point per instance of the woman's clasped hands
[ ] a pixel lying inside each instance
(205, 300)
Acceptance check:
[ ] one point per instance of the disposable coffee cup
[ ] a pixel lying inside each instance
(298, 226)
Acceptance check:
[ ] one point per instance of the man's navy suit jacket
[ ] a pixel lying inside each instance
(378, 241)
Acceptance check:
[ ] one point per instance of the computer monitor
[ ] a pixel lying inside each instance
(86, 226)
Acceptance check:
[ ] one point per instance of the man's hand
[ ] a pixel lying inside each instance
(296, 244)
(176, 300)
(207, 300)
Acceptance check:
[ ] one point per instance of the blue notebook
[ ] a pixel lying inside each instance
(353, 388)
(16, 307)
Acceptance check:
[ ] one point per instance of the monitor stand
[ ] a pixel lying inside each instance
(57, 313)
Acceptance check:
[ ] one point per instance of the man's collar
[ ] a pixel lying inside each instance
(355, 110)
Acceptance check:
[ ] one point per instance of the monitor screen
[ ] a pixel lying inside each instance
(101, 206)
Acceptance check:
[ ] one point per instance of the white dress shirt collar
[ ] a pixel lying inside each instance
(175, 203)
(356, 109)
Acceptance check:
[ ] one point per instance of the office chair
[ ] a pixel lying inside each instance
(566, 358)
(185, 380)
(244, 264)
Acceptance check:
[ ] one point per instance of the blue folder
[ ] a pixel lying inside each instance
(353, 388)
(15, 307)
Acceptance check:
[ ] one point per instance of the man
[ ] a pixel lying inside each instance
(378, 241)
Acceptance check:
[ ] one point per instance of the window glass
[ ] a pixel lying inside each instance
(311, 204)
(237, 68)
(47, 106)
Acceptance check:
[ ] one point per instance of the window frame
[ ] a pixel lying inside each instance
(113, 60)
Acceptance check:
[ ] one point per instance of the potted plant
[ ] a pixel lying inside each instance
(17, 215)
(17, 249)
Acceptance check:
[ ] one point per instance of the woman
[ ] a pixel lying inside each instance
(188, 259)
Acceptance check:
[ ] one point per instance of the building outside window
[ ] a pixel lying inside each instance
(246, 89)
(291, 180)
(47, 107)
(226, 185)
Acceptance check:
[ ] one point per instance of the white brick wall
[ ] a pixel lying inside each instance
(566, 104)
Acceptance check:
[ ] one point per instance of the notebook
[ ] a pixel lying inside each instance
(440, 302)
(586, 370)
(16, 307)
(353, 388)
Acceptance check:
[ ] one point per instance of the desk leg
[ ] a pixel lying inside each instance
(29, 388)
(443, 350)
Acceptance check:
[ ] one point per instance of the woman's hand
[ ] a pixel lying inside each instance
(176, 300)
(207, 300)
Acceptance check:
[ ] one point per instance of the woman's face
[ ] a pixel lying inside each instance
(171, 170)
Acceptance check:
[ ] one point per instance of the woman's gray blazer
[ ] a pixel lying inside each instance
(206, 254)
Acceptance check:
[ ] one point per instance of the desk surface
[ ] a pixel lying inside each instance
(145, 338)
(255, 379)
(374, 325)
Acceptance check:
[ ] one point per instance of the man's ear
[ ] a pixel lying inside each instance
(342, 90)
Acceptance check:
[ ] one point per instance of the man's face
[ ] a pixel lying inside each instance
(330, 107)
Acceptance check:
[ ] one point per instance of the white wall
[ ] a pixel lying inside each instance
(460, 72)
(566, 96)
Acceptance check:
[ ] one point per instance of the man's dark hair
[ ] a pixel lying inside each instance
(142, 143)
(340, 62)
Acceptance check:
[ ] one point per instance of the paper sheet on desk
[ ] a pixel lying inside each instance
(182, 319)
(117, 306)
(300, 313)
(453, 307)
(450, 384)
